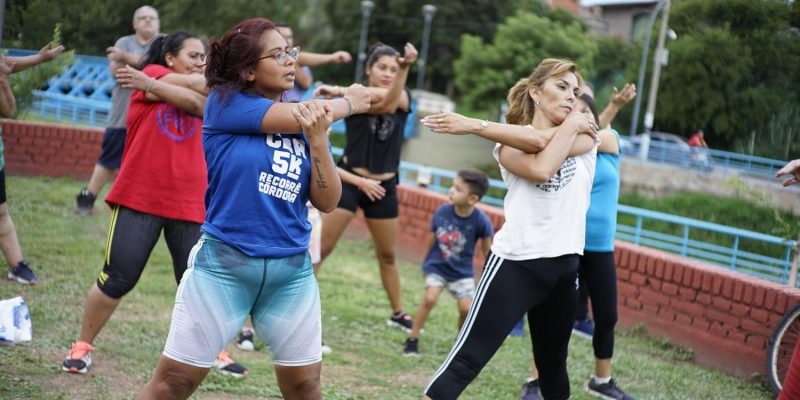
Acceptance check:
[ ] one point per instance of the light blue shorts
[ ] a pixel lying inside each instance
(222, 286)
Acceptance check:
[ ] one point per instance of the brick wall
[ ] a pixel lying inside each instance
(51, 150)
(724, 317)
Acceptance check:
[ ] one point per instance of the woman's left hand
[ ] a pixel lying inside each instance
(409, 56)
(132, 78)
(450, 122)
(315, 118)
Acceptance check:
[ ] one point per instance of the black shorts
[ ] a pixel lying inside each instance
(2, 185)
(385, 208)
(112, 147)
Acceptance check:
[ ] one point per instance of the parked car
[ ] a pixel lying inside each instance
(671, 149)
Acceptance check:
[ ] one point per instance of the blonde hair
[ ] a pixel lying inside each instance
(520, 104)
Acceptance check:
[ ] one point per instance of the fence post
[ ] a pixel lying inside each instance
(793, 271)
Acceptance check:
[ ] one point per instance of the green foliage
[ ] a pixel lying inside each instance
(729, 70)
(779, 139)
(485, 71)
(24, 83)
(337, 24)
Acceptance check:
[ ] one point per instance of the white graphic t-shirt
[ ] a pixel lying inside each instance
(548, 219)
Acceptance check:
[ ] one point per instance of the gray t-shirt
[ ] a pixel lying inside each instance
(120, 97)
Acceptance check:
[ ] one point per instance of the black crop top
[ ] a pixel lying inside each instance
(374, 141)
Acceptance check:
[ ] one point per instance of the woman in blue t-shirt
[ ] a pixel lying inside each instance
(265, 160)
(369, 166)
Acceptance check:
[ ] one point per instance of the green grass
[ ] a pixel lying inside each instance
(66, 251)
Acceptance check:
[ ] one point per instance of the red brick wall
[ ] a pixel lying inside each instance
(724, 317)
(51, 150)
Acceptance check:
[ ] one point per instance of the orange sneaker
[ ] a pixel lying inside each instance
(79, 358)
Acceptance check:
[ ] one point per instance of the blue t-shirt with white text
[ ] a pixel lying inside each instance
(454, 245)
(257, 183)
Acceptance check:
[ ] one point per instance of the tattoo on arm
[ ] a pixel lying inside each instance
(322, 183)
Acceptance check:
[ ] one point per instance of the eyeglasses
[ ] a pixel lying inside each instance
(280, 55)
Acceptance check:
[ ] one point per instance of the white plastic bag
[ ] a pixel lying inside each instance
(15, 321)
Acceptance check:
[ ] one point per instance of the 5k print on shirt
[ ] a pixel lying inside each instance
(282, 181)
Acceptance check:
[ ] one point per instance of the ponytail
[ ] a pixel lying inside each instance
(520, 105)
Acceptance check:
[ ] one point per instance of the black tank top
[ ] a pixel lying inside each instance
(374, 141)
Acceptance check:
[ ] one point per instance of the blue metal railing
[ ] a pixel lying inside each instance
(674, 234)
(705, 160)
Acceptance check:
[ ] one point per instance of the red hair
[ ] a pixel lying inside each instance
(236, 54)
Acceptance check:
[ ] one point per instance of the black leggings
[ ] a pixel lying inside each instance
(132, 237)
(545, 289)
(598, 280)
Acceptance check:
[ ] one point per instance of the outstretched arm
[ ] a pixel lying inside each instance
(524, 138)
(382, 100)
(618, 100)
(540, 167)
(279, 119)
(8, 104)
(45, 54)
(316, 59)
(160, 90)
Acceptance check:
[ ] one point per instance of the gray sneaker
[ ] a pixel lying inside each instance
(608, 391)
(530, 391)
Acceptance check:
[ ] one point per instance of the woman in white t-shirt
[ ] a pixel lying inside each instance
(533, 266)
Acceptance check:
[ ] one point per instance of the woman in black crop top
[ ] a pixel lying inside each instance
(369, 166)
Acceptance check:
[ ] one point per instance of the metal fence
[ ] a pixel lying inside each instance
(701, 159)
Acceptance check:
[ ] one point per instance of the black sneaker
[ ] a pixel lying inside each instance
(402, 321)
(411, 347)
(245, 340)
(530, 391)
(22, 273)
(84, 202)
(225, 365)
(608, 391)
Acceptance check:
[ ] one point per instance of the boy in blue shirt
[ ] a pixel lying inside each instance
(457, 226)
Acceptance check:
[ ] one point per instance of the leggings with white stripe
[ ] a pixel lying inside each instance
(545, 289)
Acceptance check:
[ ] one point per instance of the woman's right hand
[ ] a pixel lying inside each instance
(372, 188)
(583, 123)
(360, 97)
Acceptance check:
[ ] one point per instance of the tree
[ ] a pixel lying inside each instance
(730, 69)
(337, 23)
(486, 71)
